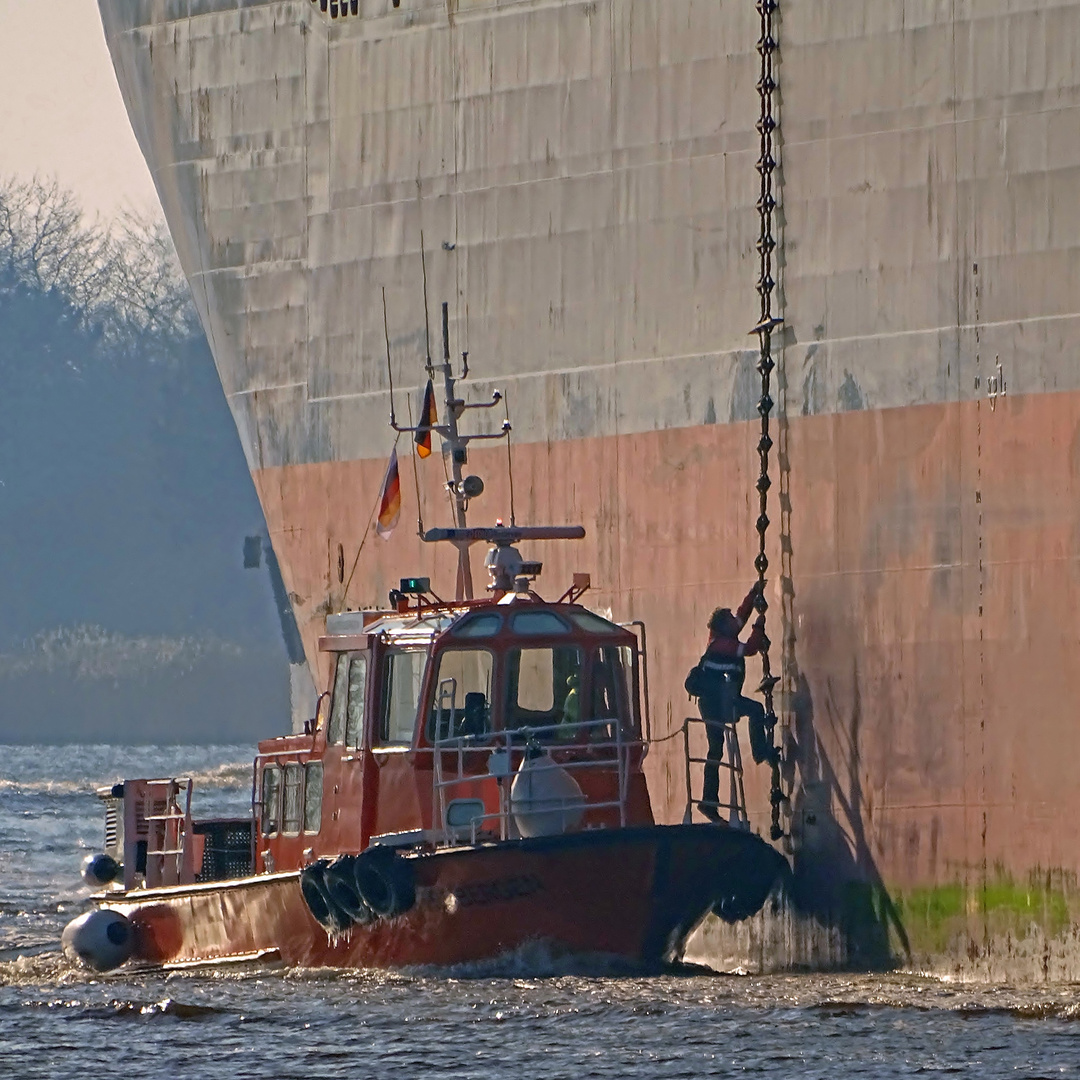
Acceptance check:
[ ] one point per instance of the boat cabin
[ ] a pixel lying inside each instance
(432, 711)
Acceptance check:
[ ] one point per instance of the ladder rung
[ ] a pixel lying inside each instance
(719, 764)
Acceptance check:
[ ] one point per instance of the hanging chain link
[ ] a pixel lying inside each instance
(768, 322)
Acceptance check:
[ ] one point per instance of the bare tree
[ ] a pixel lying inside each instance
(121, 279)
(147, 290)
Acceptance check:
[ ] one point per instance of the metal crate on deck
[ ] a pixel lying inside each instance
(226, 850)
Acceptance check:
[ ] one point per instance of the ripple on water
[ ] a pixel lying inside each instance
(565, 1025)
(527, 1014)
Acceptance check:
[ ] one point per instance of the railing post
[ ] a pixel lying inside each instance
(688, 816)
(504, 789)
(437, 778)
(622, 772)
(186, 867)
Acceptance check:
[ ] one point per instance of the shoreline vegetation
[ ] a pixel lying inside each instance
(124, 495)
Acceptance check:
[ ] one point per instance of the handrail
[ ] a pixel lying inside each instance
(519, 741)
(643, 652)
(731, 761)
(167, 833)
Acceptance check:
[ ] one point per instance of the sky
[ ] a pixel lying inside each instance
(62, 113)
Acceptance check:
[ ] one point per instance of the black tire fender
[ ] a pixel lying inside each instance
(343, 891)
(385, 881)
(316, 895)
(748, 882)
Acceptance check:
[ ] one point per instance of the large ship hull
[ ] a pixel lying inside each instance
(582, 175)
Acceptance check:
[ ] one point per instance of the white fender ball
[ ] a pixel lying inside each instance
(102, 939)
(98, 870)
(544, 798)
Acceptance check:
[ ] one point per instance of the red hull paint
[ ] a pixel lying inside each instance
(925, 598)
(634, 894)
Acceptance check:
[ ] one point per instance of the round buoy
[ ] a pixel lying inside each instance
(99, 869)
(101, 939)
(544, 798)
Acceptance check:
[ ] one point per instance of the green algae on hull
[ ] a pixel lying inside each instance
(938, 918)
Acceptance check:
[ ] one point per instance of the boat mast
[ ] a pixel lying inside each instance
(462, 488)
(458, 457)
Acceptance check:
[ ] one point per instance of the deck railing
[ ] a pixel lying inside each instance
(731, 763)
(169, 854)
(604, 741)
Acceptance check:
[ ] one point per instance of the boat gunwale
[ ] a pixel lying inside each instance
(535, 844)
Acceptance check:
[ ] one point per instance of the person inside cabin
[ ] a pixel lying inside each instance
(571, 710)
(475, 714)
(717, 682)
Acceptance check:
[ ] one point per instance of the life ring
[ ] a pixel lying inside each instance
(341, 886)
(385, 881)
(316, 895)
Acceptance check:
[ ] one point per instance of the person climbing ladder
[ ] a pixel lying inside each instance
(717, 681)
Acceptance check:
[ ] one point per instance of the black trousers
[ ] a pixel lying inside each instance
(719, 715)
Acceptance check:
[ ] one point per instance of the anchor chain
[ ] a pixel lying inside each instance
(767, 323)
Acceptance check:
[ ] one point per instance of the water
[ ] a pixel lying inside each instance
(56, 1020)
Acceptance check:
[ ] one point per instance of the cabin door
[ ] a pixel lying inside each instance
(396, 803)
(343, 784)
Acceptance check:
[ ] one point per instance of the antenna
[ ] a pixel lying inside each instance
(427, 321)
(458, 457)
(509, 461)
(416, 477)
(389, 370)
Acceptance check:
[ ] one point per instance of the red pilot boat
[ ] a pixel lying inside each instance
(471, 786)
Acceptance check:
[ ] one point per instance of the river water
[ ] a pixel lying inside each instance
(521, 1020)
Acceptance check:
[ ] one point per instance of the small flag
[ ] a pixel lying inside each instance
(428, 419)
(390, 500)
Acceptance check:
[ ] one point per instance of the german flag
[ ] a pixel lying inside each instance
(390, 499)
(428, 419)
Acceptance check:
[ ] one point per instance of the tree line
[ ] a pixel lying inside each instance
(124, 495)
(118, 282)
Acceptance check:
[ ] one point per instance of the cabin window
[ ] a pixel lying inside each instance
(593, 623)
(336, 731)
(538, 622)
(271, 799)
(461, 694)
(479, 626)
(542, 687)
(291, 803)
(312, 796)
(611, 688)
(354, 711)
(404, 671)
